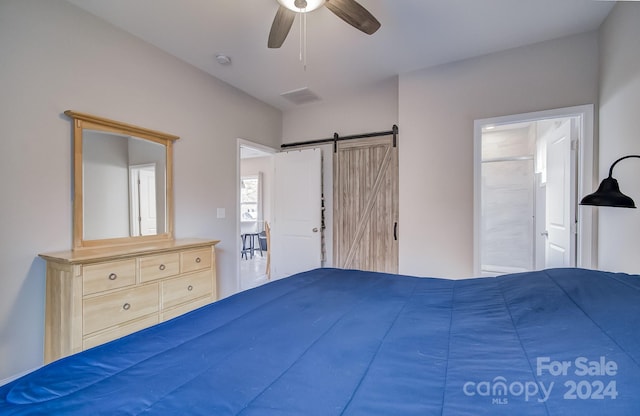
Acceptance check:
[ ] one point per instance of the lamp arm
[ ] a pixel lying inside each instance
(622, 158)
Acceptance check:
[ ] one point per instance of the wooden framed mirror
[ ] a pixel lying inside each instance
(123, 183)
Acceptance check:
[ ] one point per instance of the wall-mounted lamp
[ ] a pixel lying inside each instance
(608, 193)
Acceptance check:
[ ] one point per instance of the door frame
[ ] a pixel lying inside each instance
(586, 245)
(253, 145)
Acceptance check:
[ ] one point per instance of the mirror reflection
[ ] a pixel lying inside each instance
(124, 186)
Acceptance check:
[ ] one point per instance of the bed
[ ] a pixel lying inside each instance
(347, 342)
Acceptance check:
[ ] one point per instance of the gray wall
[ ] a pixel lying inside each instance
(56, 57)
(375, 109)
(619, 229)
(105, 190)
(437, 108)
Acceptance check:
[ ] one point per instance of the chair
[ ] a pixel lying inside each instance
(246, 246)
(262, 241)
(249, 244)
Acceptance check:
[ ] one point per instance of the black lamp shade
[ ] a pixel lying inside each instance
(608, 195)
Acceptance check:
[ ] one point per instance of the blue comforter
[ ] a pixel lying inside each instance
(344, 342)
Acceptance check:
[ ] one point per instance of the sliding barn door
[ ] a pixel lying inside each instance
(366, 205)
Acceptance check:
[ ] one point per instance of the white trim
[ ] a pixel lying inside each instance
(266, 149)
(256, 146)
(17, 376)
(586, 242)
(493, 270)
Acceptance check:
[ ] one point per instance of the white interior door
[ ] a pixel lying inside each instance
(143, 209)
(295, 229)
(148, 217)
(560, 201)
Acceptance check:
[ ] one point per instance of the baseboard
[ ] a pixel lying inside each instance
(16, 376)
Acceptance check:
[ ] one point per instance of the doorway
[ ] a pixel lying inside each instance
(142, 200)
(254, 190)
(276, 189)
(529, 171)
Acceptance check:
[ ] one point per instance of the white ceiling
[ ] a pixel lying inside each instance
(415, 34)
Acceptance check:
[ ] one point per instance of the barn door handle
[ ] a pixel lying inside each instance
(395, 231)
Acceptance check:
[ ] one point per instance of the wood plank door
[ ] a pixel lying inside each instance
(366, 205)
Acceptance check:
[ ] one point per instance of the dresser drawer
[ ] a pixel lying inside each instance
(104, 311)
(193, 260)
(159, 267)
(167, 314)
(119, 331)
(186, 288)
(110, 275)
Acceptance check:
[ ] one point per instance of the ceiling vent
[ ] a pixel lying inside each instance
(300, 96)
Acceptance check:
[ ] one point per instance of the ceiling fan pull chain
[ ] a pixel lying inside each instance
(304, 49)
(301, 28)
(303, 35)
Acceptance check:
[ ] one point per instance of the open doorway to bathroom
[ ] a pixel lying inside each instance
(529, 172)
(254, 200)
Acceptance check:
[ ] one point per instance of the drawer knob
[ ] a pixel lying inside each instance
(190, 288)
(198, 260)
(162, 267)
(113, 276)
(126, 306)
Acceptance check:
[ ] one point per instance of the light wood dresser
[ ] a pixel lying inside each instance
(100, 294)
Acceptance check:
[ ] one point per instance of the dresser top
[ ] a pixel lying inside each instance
(89, 255)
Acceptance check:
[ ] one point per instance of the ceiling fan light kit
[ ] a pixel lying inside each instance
(301, 5)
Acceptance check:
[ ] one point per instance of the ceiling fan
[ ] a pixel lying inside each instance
(348, 10)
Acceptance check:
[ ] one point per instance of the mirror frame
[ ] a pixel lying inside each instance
(83, 121)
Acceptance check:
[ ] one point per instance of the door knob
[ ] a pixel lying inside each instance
(545, 233)
(315, 229)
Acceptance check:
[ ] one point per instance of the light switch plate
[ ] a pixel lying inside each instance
(221, 213)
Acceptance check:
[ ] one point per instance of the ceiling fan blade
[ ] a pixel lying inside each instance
(280, 27)
(353, 13)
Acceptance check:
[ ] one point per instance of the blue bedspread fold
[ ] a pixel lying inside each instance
(345, 342)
